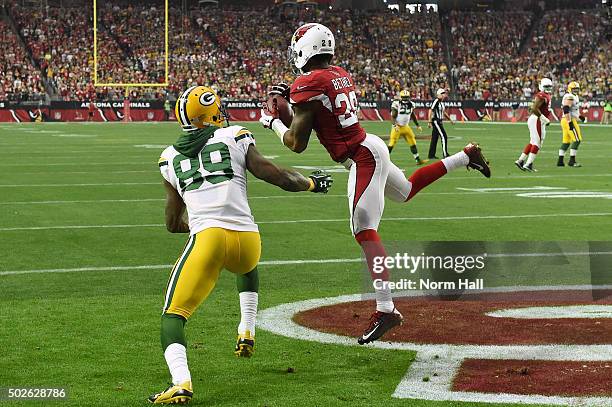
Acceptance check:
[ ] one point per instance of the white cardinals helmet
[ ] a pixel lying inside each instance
(546, 85)
(309, 40)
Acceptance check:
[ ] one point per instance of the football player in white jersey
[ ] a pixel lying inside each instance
(402, 111)
(205, 176)
(569, 125)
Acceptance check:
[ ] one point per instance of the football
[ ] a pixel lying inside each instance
(278, 105)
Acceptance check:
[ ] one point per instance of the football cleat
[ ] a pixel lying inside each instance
(380, 323)
(245, 345)
(174, 394)
(519, 164)
(421, 162)
(560, 163)
(477, 160)
(529, 168)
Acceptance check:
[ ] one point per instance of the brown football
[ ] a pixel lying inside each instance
(277, 103)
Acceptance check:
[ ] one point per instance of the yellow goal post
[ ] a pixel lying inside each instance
(127, 86)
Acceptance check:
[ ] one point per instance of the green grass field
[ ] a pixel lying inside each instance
(85, 254)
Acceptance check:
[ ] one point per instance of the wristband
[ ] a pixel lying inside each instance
(311, 187)
(279, 128)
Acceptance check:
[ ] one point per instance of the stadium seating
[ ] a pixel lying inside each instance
(385, 51)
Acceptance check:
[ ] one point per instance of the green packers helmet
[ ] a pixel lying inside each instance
(199, 107)
(573, 87)
(404, 95)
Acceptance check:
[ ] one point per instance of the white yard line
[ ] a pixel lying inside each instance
(169, 266)
(276, 263)
(300, 221)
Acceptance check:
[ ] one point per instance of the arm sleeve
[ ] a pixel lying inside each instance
(165, 168)
(244, 138)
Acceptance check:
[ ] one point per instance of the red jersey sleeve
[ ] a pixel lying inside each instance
(305, 88)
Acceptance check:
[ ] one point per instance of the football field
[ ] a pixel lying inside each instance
(86, 257)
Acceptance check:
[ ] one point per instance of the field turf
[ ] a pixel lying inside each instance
(85, 259)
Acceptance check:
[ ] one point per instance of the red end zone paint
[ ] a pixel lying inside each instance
(543, 377)
(464, 322)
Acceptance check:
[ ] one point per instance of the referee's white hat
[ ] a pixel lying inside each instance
(440, 92)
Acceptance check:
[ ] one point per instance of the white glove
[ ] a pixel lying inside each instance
(266, 120)
(545, 121)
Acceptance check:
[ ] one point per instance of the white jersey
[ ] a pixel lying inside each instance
(213, 184)
(575, 107)
(404, 111)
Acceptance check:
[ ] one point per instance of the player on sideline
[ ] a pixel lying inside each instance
(205, 173)
(537, 122)
(324, 99)
(569, 125)
(402, 111)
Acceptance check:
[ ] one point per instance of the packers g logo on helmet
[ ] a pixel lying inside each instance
(573, 86)
(199, 107)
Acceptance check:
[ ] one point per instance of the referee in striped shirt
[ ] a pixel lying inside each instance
(436, 114)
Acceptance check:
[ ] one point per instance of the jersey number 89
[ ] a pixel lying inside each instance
(220, 170)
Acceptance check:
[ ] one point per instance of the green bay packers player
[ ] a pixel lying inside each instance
(572, 136)
(402, 111)
(204, 174)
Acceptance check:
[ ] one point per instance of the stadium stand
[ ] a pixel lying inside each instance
(500, 53)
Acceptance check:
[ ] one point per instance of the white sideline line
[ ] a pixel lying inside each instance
(280, 222)
(279, 263)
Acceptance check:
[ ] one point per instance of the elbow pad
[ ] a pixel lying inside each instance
(566, 109)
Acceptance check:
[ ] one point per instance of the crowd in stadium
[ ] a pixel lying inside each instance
(498, 54)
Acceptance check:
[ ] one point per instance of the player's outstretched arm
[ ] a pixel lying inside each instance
(298, 135)
(289, 180)
(175, 211)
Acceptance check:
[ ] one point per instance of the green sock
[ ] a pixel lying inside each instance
(248, 281)
(172, 330)
(415, 152)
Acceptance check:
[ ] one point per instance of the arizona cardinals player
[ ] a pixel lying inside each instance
(324, 100)
(538, 120)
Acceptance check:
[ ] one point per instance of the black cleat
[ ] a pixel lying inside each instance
(380, 323)
(519, 164)
(529, 168)
(477, 160)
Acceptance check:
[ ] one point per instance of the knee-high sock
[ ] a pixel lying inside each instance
(174, 346)
(430, 173)
(532, 154)
(372, 248)
(574, 148)
(248, 286)
(563, 149)
(525, 152)
(425, 176)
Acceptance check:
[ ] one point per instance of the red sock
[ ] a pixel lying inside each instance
(370, 243)
(527, 149)
(425, 176)
(534, 149)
